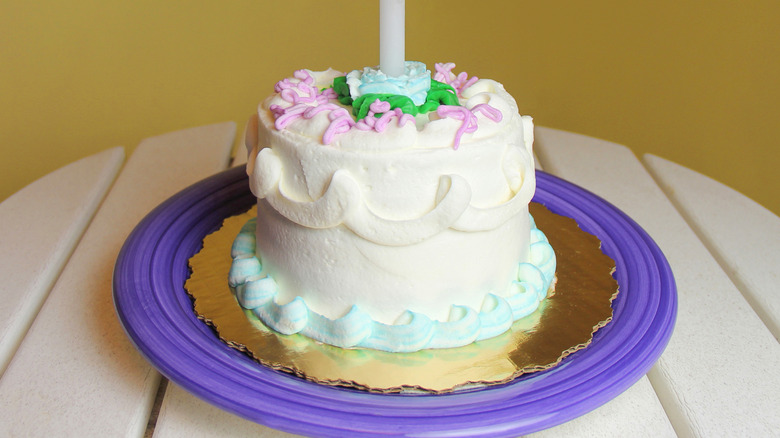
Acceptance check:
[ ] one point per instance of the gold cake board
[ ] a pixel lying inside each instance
(563, 323)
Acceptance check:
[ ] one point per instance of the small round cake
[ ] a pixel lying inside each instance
(387, 223)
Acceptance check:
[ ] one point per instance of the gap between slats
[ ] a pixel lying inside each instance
(700, 390)
(677, 422)
(65, 242)
(100, 368)
(154, 414)
(744, 289)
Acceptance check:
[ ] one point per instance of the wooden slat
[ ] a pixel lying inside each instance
(39, 227)
(76, 372)
(719, 374)
(743, 236)
(635, 413)
(184, 415)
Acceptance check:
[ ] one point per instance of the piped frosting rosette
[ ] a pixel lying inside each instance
(412, 331)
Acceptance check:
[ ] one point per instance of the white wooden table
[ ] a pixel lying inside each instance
(68, 369)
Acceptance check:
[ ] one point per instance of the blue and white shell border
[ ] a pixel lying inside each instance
(412, 331)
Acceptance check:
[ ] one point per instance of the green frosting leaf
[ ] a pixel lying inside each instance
(439, 94)
(362, 104)
(342, 90)
(442, 93)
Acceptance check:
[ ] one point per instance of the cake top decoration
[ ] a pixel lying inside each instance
(370, 100)
(437, 93)
(414, 83)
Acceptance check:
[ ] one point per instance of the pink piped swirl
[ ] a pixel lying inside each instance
(306, 101)
(459, 82)
(468, 117)
(380, 124)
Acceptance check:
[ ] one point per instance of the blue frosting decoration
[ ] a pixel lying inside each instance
(412, 331)
(414, 83)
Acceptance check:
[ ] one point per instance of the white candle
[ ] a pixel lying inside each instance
(391, 37)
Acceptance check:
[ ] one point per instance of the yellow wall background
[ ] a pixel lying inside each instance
(696, 82)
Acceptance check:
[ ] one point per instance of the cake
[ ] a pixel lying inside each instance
(392, 213)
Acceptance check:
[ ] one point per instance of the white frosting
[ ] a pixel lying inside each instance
(398, 221)
(411, 331)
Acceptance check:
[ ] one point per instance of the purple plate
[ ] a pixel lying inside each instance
(157, 315)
